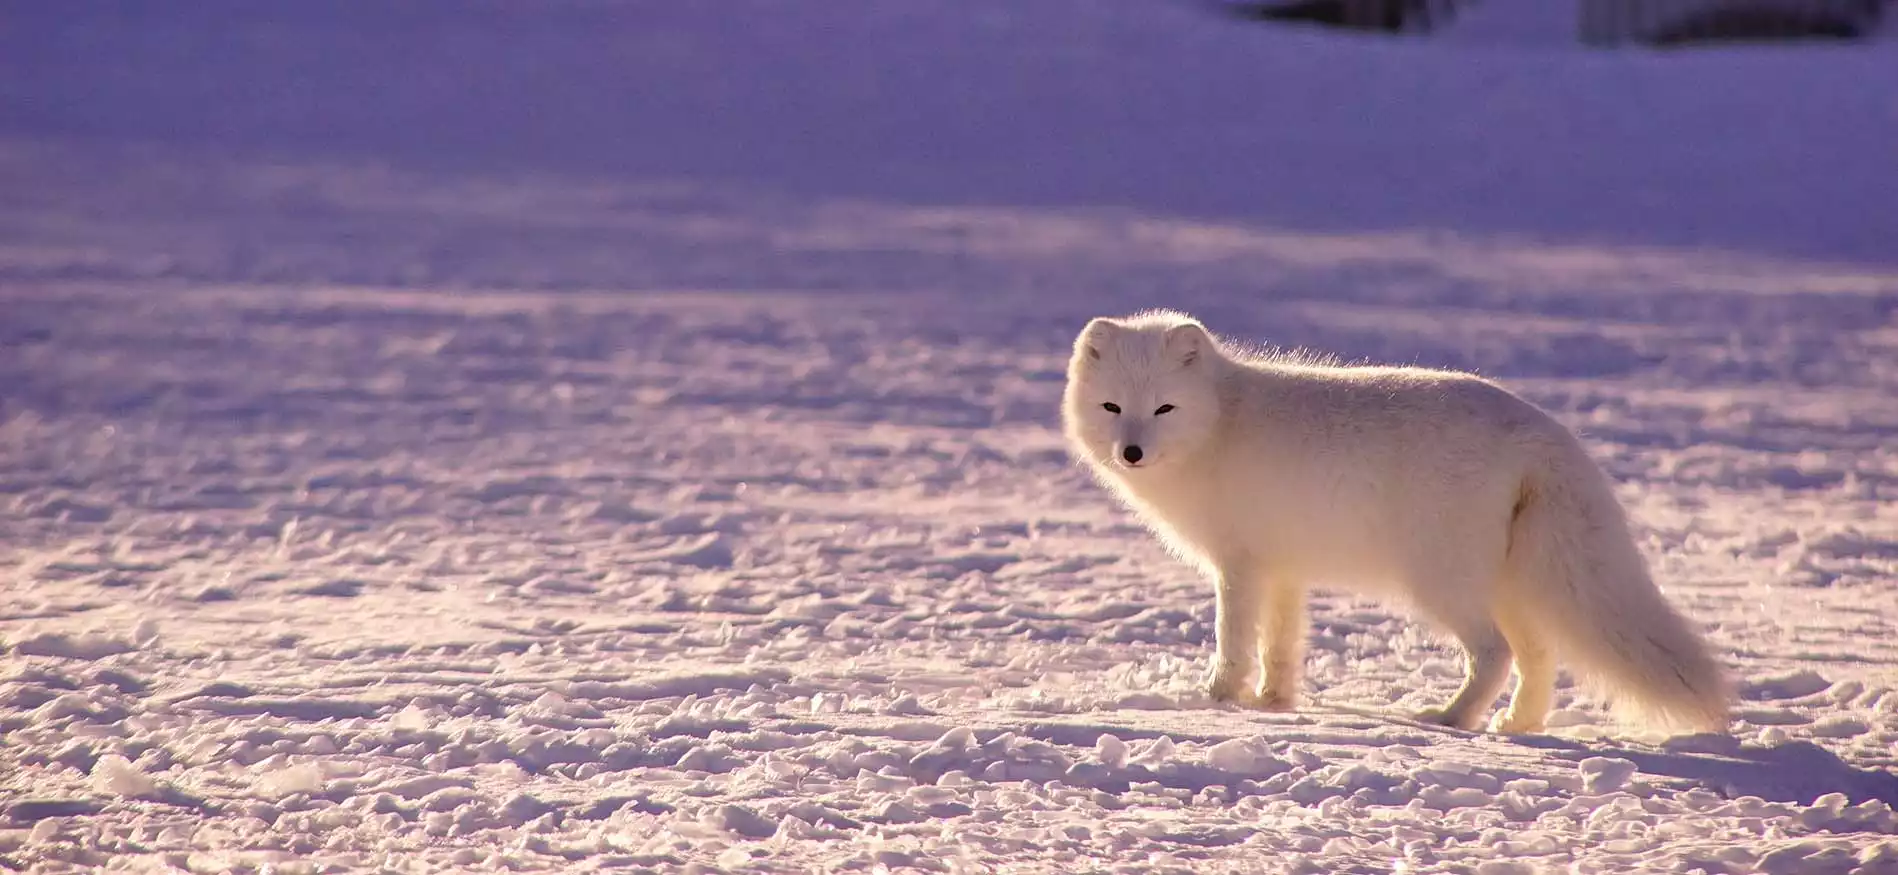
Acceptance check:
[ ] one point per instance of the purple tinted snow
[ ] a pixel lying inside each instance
(86, 647)
(990, 101)
(678, 685)
(293, 708)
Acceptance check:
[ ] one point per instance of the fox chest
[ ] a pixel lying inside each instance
(1285, 518)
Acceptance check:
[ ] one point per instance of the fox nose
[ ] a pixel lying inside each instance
(1132, 454)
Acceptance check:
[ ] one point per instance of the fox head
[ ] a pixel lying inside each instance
(1142, 392)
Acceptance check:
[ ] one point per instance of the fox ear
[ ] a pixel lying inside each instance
(1098, 331)
(1188, 343)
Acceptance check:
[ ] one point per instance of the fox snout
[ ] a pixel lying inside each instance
(1128, 451)
(1128, 440)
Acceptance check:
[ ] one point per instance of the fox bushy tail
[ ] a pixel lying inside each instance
(1579, 567)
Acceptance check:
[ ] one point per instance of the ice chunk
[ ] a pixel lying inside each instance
(1840, 726)
(1809, 857)
(416, 788)
(906, 704)
(1157, 752)
(85, 646)
(895, 811)
(450, 798)
(1605, 774)
(409, 719)
(1446, 798)
(741, 820)
(300, 778)
(1881, 856)
(708, 551)
(957, 738)
(521, 808)
(145, 632)
(117, 775)
(1244, 757)
(1787, 685)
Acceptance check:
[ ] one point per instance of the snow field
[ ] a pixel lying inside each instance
(566, 582)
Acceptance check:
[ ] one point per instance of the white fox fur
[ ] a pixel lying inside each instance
(1275, 474)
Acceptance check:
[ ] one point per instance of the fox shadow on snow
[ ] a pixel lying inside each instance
(1795, 771)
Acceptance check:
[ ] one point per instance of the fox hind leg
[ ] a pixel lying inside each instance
(1535, 675)
(1486, 658)
(1284, 645)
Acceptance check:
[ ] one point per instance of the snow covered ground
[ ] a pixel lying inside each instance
(587, 477)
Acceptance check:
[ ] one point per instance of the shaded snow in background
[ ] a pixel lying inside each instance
(1155, 106)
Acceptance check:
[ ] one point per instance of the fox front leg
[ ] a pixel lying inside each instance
(1240, 606)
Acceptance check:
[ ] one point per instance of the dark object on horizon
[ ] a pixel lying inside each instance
(1386, 16)
(1673, 23)
(1660, 23)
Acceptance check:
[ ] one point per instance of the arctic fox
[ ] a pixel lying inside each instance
(1275, 473)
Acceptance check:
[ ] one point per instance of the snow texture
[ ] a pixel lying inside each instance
(598, 436)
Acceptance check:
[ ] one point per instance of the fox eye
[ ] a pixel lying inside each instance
(1111, 407)
(1164, 408)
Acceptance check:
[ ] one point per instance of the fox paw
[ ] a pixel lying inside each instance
(1276, 700)
(1228, 690)
(1516, 724)
(1444, 717)
(1249, 697)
